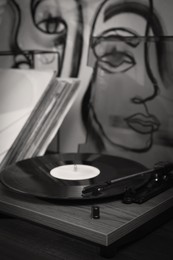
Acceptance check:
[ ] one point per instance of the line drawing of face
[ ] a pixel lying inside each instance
(124, 106)
(46, 33)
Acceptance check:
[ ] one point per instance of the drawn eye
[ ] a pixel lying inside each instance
(119, 62)
(52, 25)
(112, 60)
(48, 18)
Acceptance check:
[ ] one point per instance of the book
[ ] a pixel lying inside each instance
(33, 105)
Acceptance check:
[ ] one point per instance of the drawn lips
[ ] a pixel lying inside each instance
(145, 124)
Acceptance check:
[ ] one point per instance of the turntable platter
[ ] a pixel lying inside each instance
(32, 176)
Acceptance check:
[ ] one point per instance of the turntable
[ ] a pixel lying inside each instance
(103, 199)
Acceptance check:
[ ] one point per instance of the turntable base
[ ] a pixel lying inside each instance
(116, 219)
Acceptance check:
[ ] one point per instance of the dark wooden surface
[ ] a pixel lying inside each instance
(117, 219)
(21, 240)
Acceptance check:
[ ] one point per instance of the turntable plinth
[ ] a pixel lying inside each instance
(116, 221)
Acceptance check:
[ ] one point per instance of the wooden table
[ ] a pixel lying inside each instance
(116, 219)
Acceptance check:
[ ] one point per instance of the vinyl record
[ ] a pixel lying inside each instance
(32, 176)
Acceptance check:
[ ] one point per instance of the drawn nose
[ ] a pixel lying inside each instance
(138, 100)
(146, 98)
